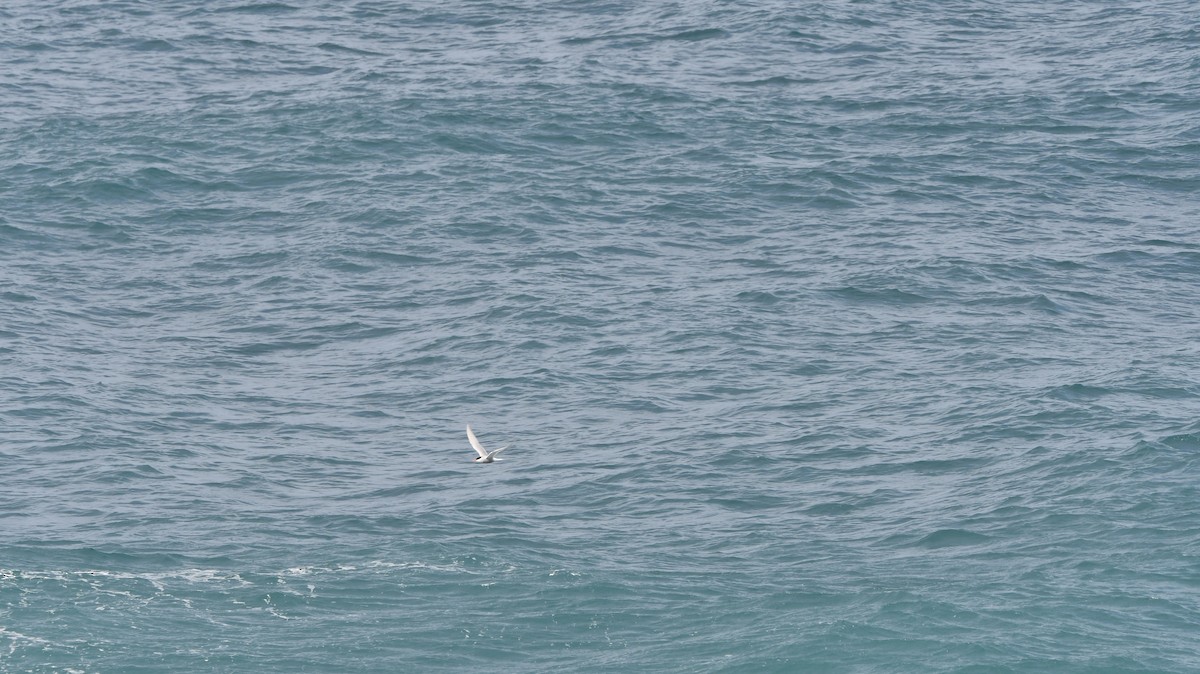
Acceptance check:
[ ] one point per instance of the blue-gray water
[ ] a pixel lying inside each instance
(830, 337)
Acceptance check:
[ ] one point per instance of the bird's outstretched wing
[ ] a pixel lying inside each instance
(475, 443)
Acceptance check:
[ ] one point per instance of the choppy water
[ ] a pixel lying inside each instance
(831, 337)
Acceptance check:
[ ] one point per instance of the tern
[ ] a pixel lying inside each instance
(484, 455)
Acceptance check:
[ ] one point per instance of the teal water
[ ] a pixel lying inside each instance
(830, 337)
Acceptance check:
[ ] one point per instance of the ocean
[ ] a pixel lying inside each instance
(848, 336)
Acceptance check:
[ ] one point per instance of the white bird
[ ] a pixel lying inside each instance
(484, 455)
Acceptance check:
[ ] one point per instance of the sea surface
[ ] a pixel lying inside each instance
(847, 336)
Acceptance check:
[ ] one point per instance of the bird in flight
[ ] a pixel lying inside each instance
(484, 455)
